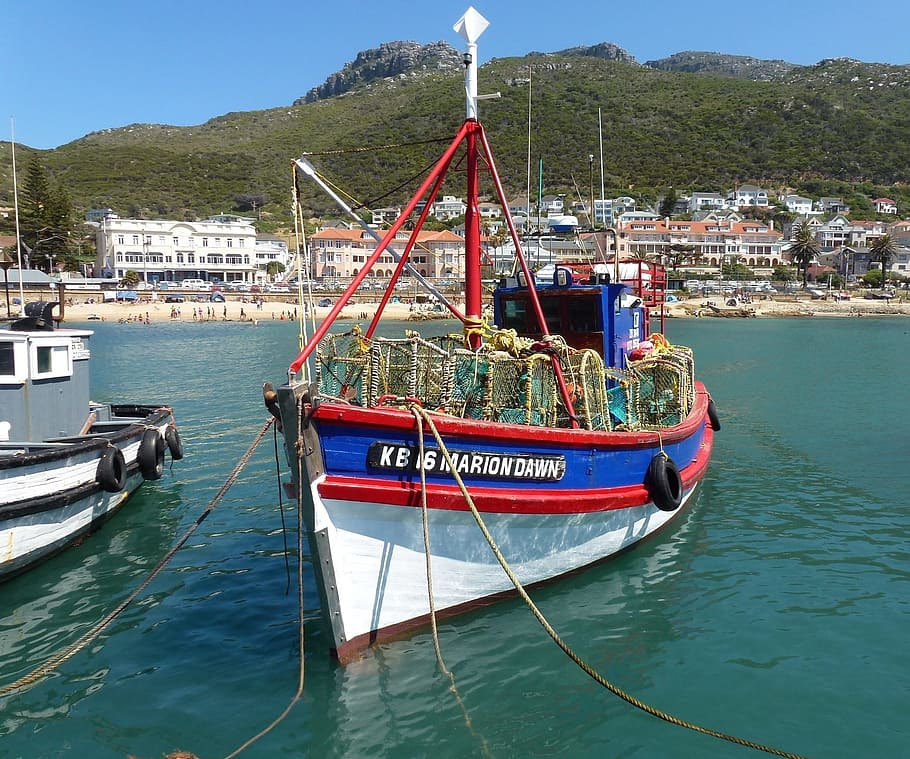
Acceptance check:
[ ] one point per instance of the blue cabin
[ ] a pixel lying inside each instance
(599, 315)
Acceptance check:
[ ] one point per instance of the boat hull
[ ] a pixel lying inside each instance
(578, 498)
(50, 494)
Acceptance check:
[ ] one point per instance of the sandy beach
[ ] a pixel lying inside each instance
(237, 310)
(230, 310)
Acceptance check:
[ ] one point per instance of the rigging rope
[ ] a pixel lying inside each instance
(426, 545)
(584, 666)
(67, 653)
(298, 694)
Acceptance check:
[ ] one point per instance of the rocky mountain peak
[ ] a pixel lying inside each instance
(721, 64)
(390, 59)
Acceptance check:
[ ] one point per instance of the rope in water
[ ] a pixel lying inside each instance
(67, 653)
(584, 666)
(298, 694)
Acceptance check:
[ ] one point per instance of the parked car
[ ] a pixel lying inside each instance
(325, 302)
(174, 299)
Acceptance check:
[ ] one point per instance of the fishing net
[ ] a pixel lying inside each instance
(408, 367)
(342, 367)
(499, 387)
(662, 391)
(510, 379)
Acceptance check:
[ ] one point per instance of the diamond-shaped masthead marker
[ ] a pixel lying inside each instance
(471, 25)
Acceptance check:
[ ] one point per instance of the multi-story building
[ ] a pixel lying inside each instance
(798, 204)
(343, 253)
(449, 208)
(159, 250)
(702, 201)
(749, 196)
(713, 243)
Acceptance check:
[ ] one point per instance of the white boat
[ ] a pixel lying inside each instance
(67, 464)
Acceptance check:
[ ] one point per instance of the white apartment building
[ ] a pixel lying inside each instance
(749, 196)
(798, 204)
(159, 250)
(449, 208)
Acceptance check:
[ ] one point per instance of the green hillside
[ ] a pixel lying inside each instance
(839, 128)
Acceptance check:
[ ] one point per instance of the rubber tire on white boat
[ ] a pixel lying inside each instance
(174, 443)
(664, 483)
(111, 471)
(151, 455)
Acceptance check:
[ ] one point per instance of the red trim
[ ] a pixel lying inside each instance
(502, 501)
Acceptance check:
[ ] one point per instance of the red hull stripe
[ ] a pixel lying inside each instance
(518, 501)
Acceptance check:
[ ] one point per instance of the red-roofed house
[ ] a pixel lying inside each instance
(884, 205)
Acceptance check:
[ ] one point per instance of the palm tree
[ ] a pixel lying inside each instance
(884, 249)
(803, 247)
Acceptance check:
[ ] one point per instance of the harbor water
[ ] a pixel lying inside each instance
(775, 609)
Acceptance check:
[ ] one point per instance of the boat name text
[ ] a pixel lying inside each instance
(502, 466)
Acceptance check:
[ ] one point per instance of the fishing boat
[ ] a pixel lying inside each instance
(437, 474)
(67, 464)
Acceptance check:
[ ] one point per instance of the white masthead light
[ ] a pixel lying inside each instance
(470, 26)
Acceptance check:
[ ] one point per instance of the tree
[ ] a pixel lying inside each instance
(679, 254)
(47, 218)
(884, 249)
(668, 204)
(804, 247)
(130, 278)
(274, 267)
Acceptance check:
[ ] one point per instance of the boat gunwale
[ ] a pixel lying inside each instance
(331, 411)
(63, 449)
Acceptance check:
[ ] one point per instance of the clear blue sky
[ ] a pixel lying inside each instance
(76, 67)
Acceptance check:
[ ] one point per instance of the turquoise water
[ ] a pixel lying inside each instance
(774, 610)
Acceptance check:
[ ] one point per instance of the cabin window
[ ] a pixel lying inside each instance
(514, 314)
(7, 359)
(551, 312)
(51, 358)
(584, 314)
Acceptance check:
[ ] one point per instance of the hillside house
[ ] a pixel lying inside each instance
(703, 201)
(798, 204)
(749, 196)
(449, 208)
(884, 205)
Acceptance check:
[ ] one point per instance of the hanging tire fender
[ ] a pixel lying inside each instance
(712, 415)
(151, 454)
(111, 471)
(664, 483)
(174, 443)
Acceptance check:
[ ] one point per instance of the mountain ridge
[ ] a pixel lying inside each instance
(839, 123)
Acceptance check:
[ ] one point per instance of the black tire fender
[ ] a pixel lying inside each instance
(664, 483)
(174, 443)
(111, 471)
(712, 415)
(151, 454)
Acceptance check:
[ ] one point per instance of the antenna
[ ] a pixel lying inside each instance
(470, 26)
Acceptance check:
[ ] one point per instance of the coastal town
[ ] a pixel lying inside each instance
(735, 250)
